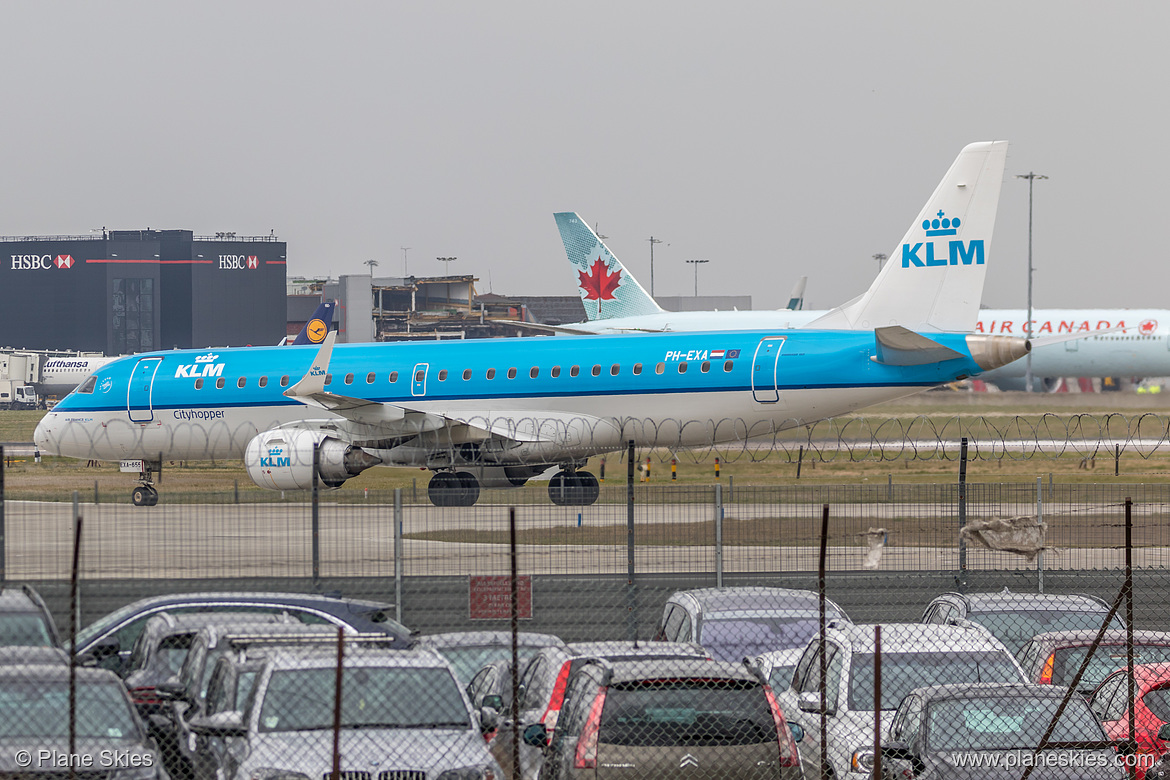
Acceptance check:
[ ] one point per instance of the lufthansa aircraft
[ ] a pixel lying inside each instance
(1115, 342)
(497, 412)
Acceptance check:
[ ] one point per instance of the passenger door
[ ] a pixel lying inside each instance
(138, 396)
(765, 367)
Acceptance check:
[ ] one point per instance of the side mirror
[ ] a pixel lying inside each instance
(493, 701)
(810, 701)
(221, 724)
(797, 731)
(536, 736)
(1164, 732)
(489, 719)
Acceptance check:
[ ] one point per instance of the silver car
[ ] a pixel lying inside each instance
(402, 714)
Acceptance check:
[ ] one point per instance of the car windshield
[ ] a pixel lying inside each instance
(34, 708)
(371, 697)
(468, 660)
(732, 638)
(24, 628)
(1016, 627)
(1106, 659)
(903, 672)
(686, 712)
(1010, 721)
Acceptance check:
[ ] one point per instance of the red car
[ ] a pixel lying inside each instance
(1151, 707)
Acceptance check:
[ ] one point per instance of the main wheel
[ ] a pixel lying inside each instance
(468, 488)
(560, 487)
(589, 489)
(443, 488)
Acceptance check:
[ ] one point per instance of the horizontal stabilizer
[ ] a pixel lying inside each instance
(897, 346)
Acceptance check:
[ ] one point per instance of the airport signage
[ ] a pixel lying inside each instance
(40, 262)
(238, 262)
(490, 597)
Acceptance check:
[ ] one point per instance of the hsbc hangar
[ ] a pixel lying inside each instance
(126, 291)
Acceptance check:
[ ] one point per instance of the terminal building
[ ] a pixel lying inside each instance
(125, 291)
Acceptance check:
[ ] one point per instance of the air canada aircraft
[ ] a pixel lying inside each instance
(1114, 342)
(496, 412)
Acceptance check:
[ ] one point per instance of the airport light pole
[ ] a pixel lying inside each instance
(1031, 176)
(372, 264)
(404, 249)
(448, 261)
(696, 264)
(881, 257)
(652, 241)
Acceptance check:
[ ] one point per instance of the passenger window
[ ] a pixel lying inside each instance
(615, 369)
(555, 372)
(727, 364)
(219, 383)
(199, 384)
(491, 373)
(535, 372)
(419, 375)
(284, 381)
(349, 379)
(393, 377)
(658, 369)
(574, 371)
(511, 373)
(671, 622)
(466, 374)
(705, 367)
(370, 378)
(682, 368)
(597, 371)
(637, 369)
(241, 382)
(685, 632)
(263, 381)
(443, 375)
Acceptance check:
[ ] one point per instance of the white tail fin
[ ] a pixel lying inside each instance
(933, 281)
(607, 288)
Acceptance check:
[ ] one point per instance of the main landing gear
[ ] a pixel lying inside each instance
(145, 494)
(457, 488)
(573, 488)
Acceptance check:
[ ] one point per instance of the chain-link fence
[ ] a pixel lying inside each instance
(970, 629)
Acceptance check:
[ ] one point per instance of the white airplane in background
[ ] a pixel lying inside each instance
(1137, 343)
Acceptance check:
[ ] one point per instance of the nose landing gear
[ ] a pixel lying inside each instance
(145, 494)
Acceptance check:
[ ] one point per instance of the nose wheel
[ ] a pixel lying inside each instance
(144, 495)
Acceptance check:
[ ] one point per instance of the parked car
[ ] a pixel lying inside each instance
(24, 618)
(402, 712)
(736, 622)
(34, 717)
(1150, 705)
(777, 666)
(469, 651)
(109, 639)
(667, 718)
(542, 689)
(986, 730)
(913, 655)
(1015, 618)
(1053, 658)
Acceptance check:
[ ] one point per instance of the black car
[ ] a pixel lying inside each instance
(109, 639)
(24, 618)
(992, 730)
(111, 742)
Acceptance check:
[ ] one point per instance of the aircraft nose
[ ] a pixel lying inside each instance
(43, 435)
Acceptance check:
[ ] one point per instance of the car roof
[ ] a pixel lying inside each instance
(716, 600)
(490, 639)
(1007, 600)
(16, 598)
(626, 647)
(984, 689)
(311, 657)
(915, 637)
(190, 622)
(54, 673)
(679, 668)
(1084, 637)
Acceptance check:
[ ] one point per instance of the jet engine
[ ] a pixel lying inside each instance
(282, 459)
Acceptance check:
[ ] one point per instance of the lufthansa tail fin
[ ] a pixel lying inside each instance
(607, 289)
(933, 280)
(317, 327)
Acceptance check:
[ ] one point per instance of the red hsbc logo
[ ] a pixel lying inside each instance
(253, 261)
(238, 262)
(64, 261)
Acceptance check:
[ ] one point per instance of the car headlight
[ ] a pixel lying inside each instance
(862, 761)
(269, 773)
(468, 773)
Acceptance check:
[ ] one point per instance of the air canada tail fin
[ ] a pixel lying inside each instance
(933, 280)
(607, 289)
(318, 325)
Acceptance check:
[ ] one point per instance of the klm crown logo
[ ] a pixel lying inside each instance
(208, 358)
(923, 254)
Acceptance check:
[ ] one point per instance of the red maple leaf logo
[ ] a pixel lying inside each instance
(599, 283)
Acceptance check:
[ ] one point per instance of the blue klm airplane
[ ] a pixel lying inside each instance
(496, 412)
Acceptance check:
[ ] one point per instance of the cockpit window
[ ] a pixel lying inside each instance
(88, 385)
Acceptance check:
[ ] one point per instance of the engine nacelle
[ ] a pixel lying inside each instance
(283, 459)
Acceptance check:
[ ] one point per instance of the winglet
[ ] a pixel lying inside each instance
(314, 379)
(607, 288)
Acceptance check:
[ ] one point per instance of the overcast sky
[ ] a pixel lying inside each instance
(774, 139)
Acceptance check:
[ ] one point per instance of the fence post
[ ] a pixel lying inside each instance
(877, 700)
(719, 536)
(799, 460)
(74, 621)
(1129, 628)
(316, 525)
(824, 665)
(631, 596)
(95, 492)
(962, 579)
(1040, 521)
(398, 554)
(3, 540)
